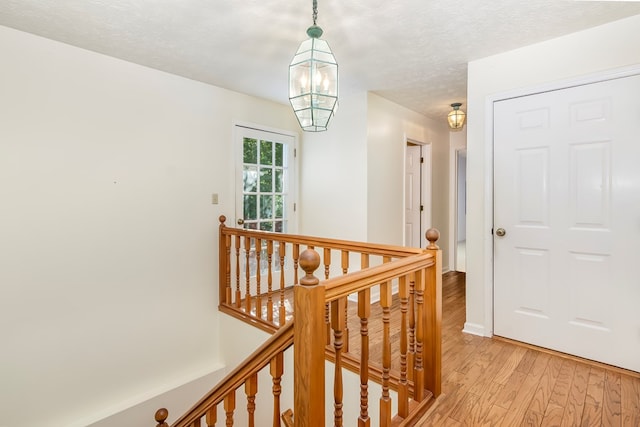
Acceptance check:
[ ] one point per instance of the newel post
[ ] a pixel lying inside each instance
(433, 318)
(309, 345)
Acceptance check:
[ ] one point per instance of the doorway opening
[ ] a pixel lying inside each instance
(417, 193)
(460, 231)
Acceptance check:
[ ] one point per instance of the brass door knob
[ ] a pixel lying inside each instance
(240, 221)
(500, 232)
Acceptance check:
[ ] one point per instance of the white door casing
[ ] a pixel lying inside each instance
(412, 198)
(567, 193)
(265, 182)
(417, 197)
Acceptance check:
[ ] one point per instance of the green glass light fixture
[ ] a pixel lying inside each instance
(313, 80)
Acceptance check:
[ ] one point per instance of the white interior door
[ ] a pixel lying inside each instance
(412, 198)
(567, 195)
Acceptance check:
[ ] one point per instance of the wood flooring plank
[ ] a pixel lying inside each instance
(488, 392)
(463, 409)
(450, 422)
(540, 364)
(440, 411)
(560, 393)
(541, 397)
(522, 401)
(510, 389)
(631, 401)
(486, 381)
(510, 365)
(595, 387)
(527, 361)
(612, 408)
(629, 396)
(575, 403)
(591, 415)
(553, 415)
(532, 419)
(486, 403)
(494, 416)
(476, 412)
(630, 418)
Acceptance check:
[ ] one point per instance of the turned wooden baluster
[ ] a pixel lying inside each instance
(411, 356)
(345, 270)
(276, 368)
(224, 276)
(308, 351)
(327, 309)
(161, 417)
(251, 389)
(269, 281)
(211, 417)
(364, 312)
(258, 293)
(433, 316)
(385, 304)
(403, 387)
(296, 257)
(283, 311)
(247, 273)
(227, 268)
(238, 293)
(230, 407)
(418, 370)
(338, 321)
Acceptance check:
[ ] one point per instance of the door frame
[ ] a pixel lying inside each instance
(426, 174)
(455, 147)
(611, 74)
(236, 154)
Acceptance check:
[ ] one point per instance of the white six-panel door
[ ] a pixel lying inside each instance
(567, 196)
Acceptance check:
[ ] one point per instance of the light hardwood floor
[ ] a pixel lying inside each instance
(494, 382)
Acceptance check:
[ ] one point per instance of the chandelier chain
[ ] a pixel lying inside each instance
(315, 11)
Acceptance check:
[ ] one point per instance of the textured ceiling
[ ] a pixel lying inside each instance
(412, 52)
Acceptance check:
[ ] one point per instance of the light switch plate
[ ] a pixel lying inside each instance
(214, 199)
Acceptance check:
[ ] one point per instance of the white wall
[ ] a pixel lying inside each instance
(333, 169)
(595, 50)
(108, 235)
(352, 176)
(389, 128)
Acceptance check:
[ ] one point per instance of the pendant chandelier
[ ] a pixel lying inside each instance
(456, 116)
(313, 80)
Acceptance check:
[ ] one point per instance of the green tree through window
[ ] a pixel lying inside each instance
(264, 173)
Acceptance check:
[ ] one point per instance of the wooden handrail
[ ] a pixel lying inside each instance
(342, 286)
(260, 358)
(313, 241)
(252, 274)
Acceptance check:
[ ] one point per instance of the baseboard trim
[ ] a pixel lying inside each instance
(474, 329)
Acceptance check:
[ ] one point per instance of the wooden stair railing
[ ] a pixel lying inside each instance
(409, 359)
(269, 354)
(420, 379)
(257, 268)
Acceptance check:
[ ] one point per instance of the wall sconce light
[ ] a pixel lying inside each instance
(313, 80)
(456, 116)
